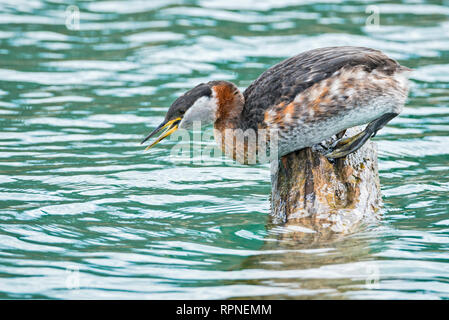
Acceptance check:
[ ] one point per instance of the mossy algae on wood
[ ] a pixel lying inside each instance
(319, 196)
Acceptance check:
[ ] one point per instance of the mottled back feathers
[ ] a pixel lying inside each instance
(284, 81)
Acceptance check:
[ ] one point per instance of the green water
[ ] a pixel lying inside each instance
(84, 213)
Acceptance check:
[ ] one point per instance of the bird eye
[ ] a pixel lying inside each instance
(182, 112)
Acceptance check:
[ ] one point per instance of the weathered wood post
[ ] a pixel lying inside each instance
(319, 197)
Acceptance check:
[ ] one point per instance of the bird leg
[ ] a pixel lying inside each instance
(341, 134)
(324, 146)
(349, 145)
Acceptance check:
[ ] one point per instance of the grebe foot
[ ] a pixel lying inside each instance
(341, 134)
(349, 145)
(328, 145)
(320, 148)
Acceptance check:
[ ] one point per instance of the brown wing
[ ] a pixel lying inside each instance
(282, 82)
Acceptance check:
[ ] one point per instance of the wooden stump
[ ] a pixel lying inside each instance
(314, 196)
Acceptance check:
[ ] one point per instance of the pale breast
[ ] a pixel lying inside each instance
(351, 96)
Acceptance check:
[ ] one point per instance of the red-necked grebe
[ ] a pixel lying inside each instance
(307, 99)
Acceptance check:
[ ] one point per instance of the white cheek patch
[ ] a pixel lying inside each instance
(203, 110)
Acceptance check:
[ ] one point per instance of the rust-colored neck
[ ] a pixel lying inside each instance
(230, 103)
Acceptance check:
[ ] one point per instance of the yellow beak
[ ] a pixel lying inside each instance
(170, 127)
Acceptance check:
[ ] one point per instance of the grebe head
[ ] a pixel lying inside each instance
(203, 104)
